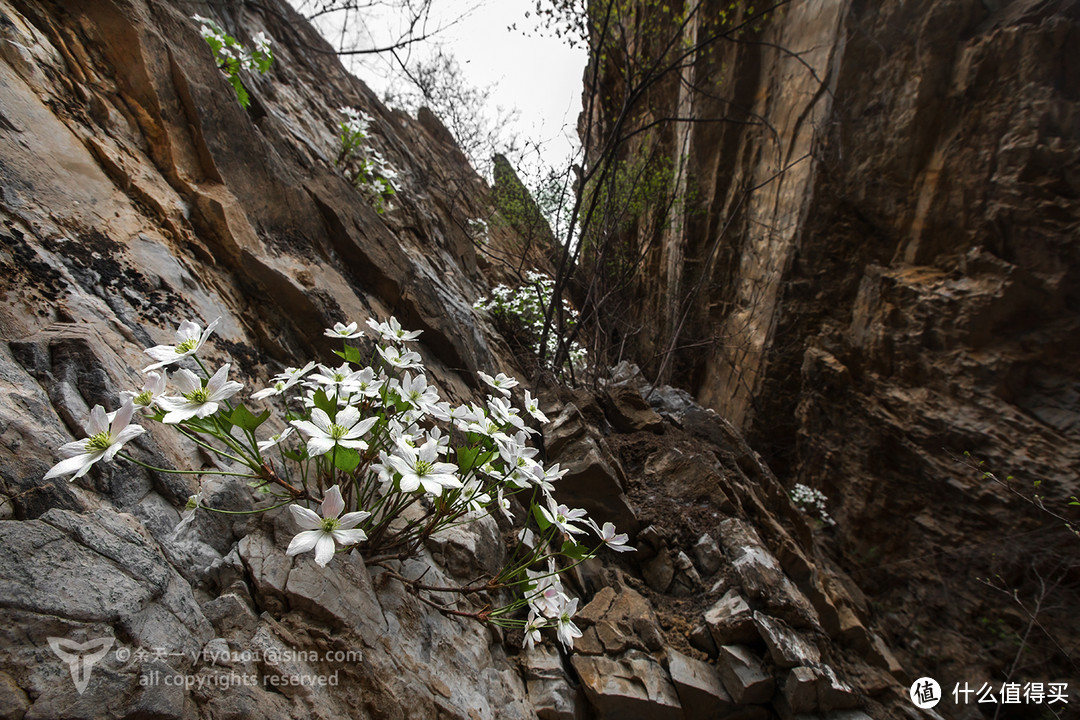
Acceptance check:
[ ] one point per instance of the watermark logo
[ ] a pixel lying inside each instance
(80, 657)
(925, 693)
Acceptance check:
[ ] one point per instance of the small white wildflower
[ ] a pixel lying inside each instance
(345, 332)
(195, 399)
(107, 435)
(345, 430)
(500, 382)
(152, 389)
(392, 330)
(532, 406)
(189, 339)
(609, 538)
(565, 628)
(323, 534)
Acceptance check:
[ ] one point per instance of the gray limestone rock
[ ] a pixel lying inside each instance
(787, 647)
(551, 692)
(700, 691)
(730, 620)
(708, 555)
(762, 578)
(743, 675)
(631, 685)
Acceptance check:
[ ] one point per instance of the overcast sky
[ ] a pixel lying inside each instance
(538, 75)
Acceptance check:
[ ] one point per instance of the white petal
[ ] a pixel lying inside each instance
(319, 445)
(129, 433)
(431, 486)
(349, 537)
(217, 382)
(186, 381)
(98, 422)
(347, 417)
(209, 329)
(72, 464)
(227, 390)
(184, 412)
(188, 330)
(306, 519)
(351, 520)
(324, 549)
(122, 418)
(332, 504)
(72, 449)
(409, 481)
(321, 420)
(155, 382)
(162, 354)
(304, 541)
(308, 428)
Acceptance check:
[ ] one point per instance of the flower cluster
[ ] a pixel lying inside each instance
(362, 164)
(478, 231)
(385, 460)
(524, 308)
(232, 56)
(812, 501)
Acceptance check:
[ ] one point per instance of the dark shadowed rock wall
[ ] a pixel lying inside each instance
(881, 256)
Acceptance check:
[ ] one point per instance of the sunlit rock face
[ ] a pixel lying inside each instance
(877, 271)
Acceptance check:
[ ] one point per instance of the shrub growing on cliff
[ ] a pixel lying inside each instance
(232, 57)
(522, 310)
(362, 164)
(370, 457)
(812, 502)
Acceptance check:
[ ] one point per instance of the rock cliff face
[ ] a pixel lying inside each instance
(135, 192)
(881, 256)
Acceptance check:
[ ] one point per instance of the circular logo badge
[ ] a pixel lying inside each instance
(925, 693)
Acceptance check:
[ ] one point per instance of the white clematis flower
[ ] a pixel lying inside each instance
(532, 406)
(609, 538)
(283, 381)
(195, 399)
(392, 330)
(152, 389)
(344, 332)
(323, 534)
(418, 393)
(422, 467)
(273, 440)
(532, 630)
(562, 517)
(344, 430)
(189, 339)
(565, 627)
(188, 516)
(500, 382)
(401, 360)
(108, 433)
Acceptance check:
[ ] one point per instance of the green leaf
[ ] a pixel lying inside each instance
(466, 458)
(542, 521)
(574, 550)
(325, 404)
(243, 418)
(350, 354)
(346, 459)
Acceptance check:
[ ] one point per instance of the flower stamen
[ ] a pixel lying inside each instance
(101, 441)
